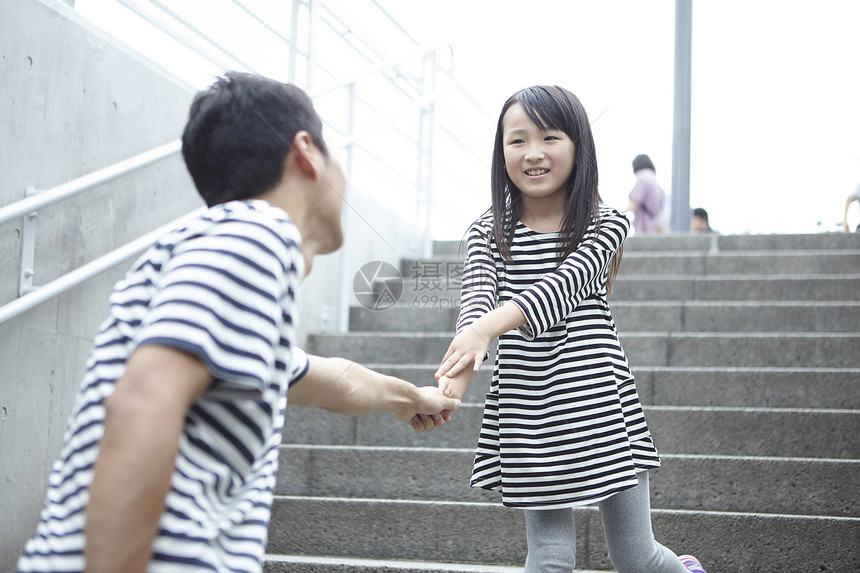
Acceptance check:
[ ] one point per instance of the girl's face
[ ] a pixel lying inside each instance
(538, 162)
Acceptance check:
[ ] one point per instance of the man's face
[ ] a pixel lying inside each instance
(332, 189)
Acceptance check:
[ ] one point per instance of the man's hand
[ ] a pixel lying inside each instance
(431, 411)
(344, 387)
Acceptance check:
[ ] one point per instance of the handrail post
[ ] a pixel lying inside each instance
(293, 46)
(27, 265)
(313, 24)
(426, 142)
(345, 281)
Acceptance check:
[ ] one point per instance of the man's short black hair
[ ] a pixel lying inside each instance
(239, 132)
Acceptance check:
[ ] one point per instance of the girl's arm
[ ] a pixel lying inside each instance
(479, 285)
(470, 346)
(478, 291)
(580, 275)
(536, 309)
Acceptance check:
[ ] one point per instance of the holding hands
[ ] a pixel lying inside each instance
(463, 358)
(431, 410)
(469, 348)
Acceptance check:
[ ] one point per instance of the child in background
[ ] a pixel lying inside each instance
(563, 425)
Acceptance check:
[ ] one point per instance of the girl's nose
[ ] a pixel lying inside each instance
(534, 153)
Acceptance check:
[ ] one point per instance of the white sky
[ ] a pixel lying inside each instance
(775, 92)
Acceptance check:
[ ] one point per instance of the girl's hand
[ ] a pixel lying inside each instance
(468, 349)
(454, 387)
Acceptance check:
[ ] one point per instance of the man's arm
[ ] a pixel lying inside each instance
(143, 422)
(344, 387)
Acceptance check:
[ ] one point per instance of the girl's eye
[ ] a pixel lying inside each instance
(516, 141)
(550, 138)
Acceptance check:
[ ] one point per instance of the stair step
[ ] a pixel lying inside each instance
(491, 534)
(669, 287)
(313, 564)
(681, 263)
(700, 386)
(834, 350)
(670, 316)
(709, 483)
(706, 243)
(677, 430)
(809, 241)
(749, 288)
(736, 317)
(741, 263)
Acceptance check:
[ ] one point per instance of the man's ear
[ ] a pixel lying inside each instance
(305, 150)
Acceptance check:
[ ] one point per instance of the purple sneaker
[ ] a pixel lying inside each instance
(692, 564)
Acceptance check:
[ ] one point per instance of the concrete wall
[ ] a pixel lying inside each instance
(75, 101)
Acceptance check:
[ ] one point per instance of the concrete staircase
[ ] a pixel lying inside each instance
(746, 351)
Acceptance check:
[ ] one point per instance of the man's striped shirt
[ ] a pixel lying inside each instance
(224, 289)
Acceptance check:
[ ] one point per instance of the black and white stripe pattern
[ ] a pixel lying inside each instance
(224, 289)
(562, 425)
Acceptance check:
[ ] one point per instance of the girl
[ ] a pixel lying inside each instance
(563, 425)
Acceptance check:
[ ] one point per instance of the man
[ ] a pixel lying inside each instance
(170, 454)
(854, 196)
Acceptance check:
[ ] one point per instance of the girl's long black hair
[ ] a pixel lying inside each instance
(551, 107)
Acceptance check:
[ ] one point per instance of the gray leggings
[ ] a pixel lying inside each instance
(626, 518)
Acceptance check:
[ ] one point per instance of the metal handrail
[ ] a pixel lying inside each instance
(87, 271)
(37, 198)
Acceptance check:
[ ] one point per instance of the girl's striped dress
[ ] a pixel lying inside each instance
(563, 425)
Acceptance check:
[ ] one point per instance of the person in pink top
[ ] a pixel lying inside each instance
(646, 198)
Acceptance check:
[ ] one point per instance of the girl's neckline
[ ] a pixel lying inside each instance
(527, 228)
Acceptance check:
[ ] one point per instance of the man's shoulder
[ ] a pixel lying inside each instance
(238, 225)
(254, 212)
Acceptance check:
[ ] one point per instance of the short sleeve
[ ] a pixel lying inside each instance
(220, 299)
(299, 365)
